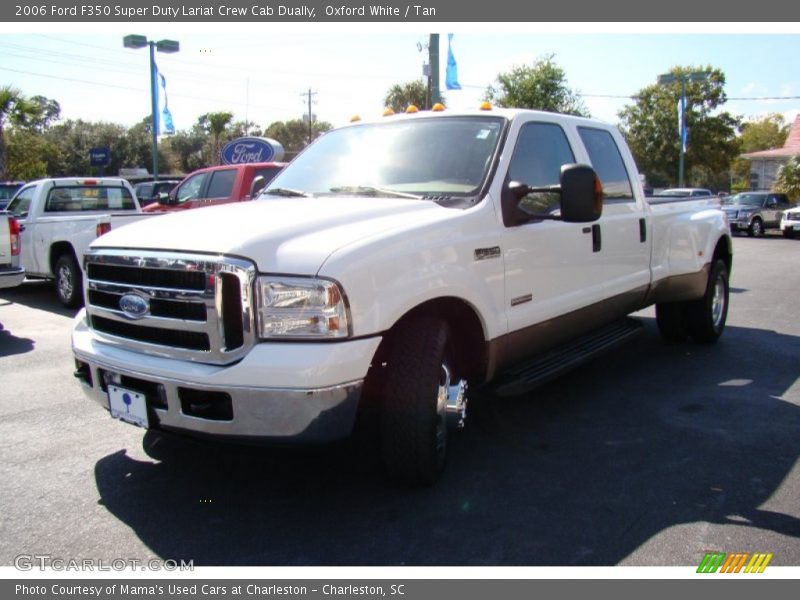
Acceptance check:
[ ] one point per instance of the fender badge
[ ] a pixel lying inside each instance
(487, 253)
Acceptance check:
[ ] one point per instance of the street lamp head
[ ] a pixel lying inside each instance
(699, 75)
(168, 46)
(134, 41)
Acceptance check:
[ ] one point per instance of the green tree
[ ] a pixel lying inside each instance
(187, 149)
(41, 112)
(540, 86)
(788, 180)
(650, 125)
(401, 95)
(216, 125)
(767, 132)
(293, 134)
(13, 107)
(26, 153)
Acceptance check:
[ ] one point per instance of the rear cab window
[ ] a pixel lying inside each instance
(540, 151)
(87, 198)
(608, 164)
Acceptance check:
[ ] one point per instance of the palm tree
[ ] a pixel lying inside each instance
(11, 102)
(216, 124)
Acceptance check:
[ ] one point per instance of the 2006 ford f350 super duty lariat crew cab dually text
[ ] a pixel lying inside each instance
(388, 265)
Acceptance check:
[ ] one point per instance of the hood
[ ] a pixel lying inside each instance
(281, 235)
(740, 207)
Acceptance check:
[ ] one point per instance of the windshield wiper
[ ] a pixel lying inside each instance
(289, 193)
(369, 190)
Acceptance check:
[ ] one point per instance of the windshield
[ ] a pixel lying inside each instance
(673, 194)
(745, 199)
(438, 156)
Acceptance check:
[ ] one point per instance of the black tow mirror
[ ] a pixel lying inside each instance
(580, 198)
(163, 198)
(581, 194)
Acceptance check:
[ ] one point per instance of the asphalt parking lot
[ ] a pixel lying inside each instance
(651, 455)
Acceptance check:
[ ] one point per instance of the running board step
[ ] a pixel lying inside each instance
(541, 369)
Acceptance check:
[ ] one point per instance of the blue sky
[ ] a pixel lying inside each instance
(262, 72)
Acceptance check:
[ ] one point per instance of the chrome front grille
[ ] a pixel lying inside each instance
(188, 306)
(792, 216)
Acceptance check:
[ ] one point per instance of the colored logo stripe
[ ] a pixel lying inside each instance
(733, 563)
(711, 562)
(758, 563)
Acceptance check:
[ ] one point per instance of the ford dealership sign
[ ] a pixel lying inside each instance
(251, 149)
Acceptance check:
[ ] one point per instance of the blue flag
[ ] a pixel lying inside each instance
(451, 76)
(164, 124)
(684, 132)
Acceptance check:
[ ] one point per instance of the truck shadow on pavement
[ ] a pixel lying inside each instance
(37, 294)
(11, 344)
(580, 472)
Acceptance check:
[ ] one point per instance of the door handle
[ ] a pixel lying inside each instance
(597, 239)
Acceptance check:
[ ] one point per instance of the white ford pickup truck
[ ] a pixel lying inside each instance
(386, 267)
(60, 217)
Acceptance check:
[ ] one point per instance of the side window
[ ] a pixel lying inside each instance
(221, 185)
(607, 162)
(191, 188)
(541, 150)
(21, 203)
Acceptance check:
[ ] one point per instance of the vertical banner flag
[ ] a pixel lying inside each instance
(682, 122)
(165, 124)
(451, 75)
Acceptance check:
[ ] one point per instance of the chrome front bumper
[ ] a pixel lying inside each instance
(278, 393)
(248, 414)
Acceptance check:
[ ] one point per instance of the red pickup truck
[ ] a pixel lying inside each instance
(217, 185)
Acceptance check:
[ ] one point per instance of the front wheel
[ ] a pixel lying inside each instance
(420, 389)
(788, 234)
(756, 228)
(707, 316)
(69, 281)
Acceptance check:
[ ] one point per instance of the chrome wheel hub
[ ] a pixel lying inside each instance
(718, 303)
(64, 282)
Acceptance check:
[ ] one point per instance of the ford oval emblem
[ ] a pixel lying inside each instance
(251, 149)
(134, 307)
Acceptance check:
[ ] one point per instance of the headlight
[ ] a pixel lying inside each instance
(299, 307)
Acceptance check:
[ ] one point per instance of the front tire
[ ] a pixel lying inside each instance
(707, 316)
(788, 234)
(756, 228)
(69, 281)
(413, 419)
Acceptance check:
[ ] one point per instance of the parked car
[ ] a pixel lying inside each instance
(684, 193)
(150, 191)
(58, 219)
(755, 212)
(217, 185)
(790, 222)
(388, 265)
(7, 191)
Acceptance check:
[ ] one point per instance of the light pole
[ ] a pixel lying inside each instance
(168, 46)
(667, 79)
